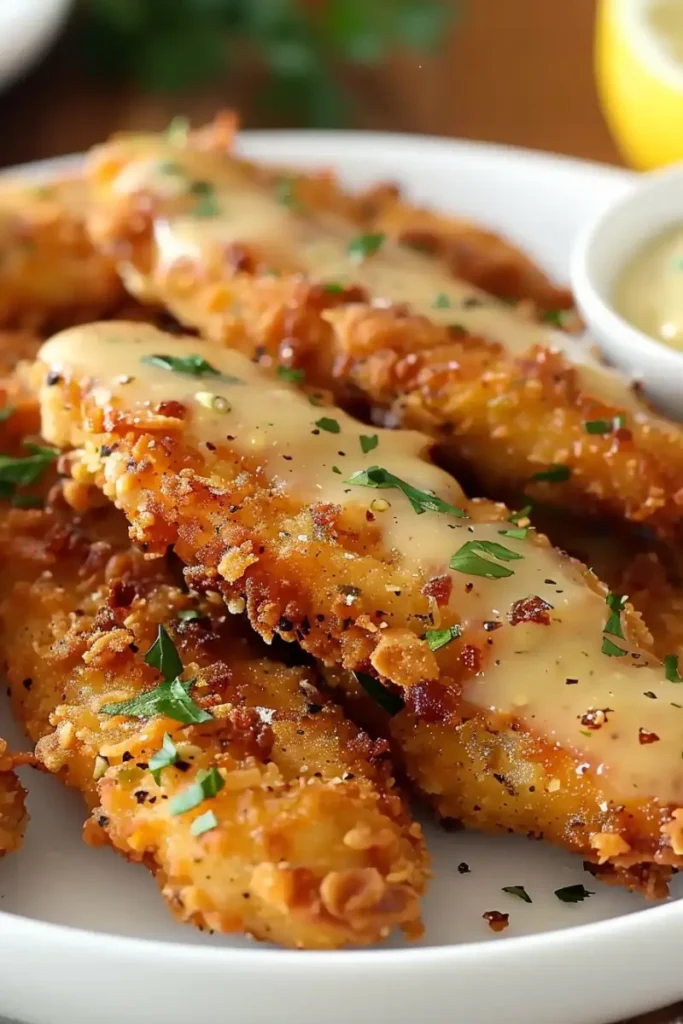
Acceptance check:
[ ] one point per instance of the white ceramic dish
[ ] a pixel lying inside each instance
(27, 27)
(605, 245)
(85, 936)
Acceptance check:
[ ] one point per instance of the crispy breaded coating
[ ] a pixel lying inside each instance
(13, 816)
(277, 268)
(302, 839)
(531, 701)
(50, 274)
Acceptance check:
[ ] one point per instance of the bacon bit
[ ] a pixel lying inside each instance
(609, 845)
(530, 609)
(416, 238)
(431, 701)
(497, 922)
(176, 410)
(645, 736)
(438, 587)
(239, 258)
(470, 657)
(594, 719)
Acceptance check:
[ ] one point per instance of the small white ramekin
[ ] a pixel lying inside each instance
(601, 252)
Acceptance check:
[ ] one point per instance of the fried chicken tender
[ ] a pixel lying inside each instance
(302, 838)
(13, 816)
(529, 408)
(50, 274)
(531, 701)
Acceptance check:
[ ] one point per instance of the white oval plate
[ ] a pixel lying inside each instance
(85, 936)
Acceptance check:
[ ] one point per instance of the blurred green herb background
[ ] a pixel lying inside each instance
(301, 45)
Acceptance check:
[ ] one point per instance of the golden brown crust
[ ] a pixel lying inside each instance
(285, 560)
(50, 274)
(313, 846)
(505, 416)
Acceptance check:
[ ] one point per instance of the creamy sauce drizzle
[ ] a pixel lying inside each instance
(528, 663)
(649, 291)
(294, 238)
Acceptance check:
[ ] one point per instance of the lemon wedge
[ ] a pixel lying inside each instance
(639, 67)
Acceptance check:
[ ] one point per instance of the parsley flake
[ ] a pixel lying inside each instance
(421, 501)
(207, 204)
(554, 317)
(438, 638)
(516, 532)
(194, 365)
(334, 288)
(553, 474)
(368, 442)
(387, 699)
(441, 301)
(468, 559)
(24, 470)
(615, 603)
(573, 893)
(519, 891)
(605, 426)
(5, 413)
(206, 785)
(164, 657)
(671, 669)
(328, 424)
(365, 245)
(190, 615)
(203, 823)
(291, 375)
(611, 650)
(163, 758)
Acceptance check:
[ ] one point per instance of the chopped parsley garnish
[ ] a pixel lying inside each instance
(207, 204)
(22, 471)
(368, 442)
(194, 365)
(285, 192)
(164, 657)
(204, 823)
(671, 669)
(615, 603)
(206, 784)
(334, 288)
(421, 501)
(553, 474)
(178, 130)
(171, 697)
(365, 245)
(442, 301)
(5, 413)
(519, 891)
(573, 893)
(468, 559)
(171, 167)
(611, 650)
(555, 317)
(291, 375)
(337, 470)
(387, 699)
(168, 755)
(190, 615)
(314, 399)
(328, 424)
(438, 638)
(523, 513)
(516, 532)
(605, 426)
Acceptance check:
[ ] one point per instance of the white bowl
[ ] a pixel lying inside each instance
(27, 27)
(603, 249)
